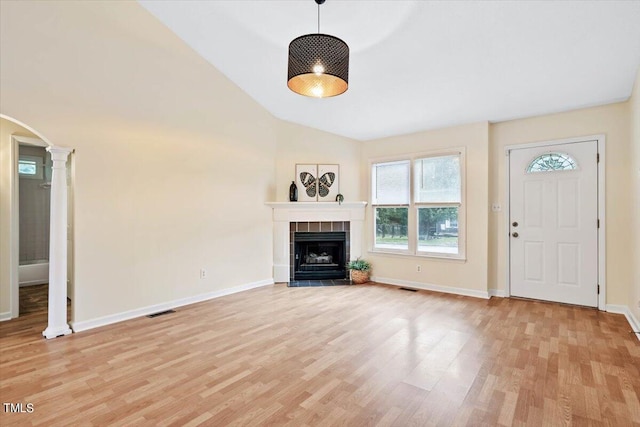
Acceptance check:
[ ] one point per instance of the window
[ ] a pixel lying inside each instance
(30, 167)
(418, 205)
(552, 162)
(391, 204)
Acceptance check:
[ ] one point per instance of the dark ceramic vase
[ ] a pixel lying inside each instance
(293, 192)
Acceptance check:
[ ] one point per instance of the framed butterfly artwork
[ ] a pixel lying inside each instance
(317, 182)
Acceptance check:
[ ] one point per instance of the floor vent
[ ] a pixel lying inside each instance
(408, 289)
(160, 313)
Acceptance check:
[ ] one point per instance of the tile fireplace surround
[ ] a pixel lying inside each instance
(285, 213)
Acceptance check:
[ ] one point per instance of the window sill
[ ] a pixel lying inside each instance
(438, 257)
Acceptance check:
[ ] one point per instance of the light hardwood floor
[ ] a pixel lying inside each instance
(351, 355)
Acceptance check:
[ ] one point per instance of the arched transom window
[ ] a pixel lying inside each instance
(550, 162)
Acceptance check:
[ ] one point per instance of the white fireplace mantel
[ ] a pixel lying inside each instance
(286, 212)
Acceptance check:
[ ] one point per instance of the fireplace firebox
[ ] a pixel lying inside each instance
(320, 255)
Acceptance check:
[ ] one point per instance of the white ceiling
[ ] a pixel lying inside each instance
(418, 65)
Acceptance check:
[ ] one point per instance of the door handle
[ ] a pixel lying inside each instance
(515, 234)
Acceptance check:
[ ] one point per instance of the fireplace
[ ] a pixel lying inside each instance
(319, 255)
(292, 217)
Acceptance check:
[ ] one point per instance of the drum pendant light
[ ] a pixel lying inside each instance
(318, 64)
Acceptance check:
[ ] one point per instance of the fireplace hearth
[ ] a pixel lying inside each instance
(319, 255)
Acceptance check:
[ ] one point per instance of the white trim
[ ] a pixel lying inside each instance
(602, 247)
(14, 230)
(545, 143)
(398, 253)
(602, 242)
(500, 293)
(623, 309)
(413, 206)
(143, 311)
(30, 141)
(13, 211)
(316, 205)
(5, 316)
(505, 220)
(431, 287)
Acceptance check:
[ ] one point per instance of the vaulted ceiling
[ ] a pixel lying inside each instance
(418, 65)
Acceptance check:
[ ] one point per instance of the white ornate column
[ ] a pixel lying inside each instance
(58, 245)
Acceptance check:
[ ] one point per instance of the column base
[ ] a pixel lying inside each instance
(56, 332)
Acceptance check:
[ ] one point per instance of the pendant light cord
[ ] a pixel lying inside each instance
(319, 2)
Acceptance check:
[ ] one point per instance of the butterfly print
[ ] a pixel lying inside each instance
(309, 182)
(326, 181)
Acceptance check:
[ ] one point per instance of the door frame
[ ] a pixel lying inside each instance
(16, 140)
(601, 247)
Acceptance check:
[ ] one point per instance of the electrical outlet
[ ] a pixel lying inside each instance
(203, 273)
(418, 268)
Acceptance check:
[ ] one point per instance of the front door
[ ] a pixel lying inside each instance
(553, 223)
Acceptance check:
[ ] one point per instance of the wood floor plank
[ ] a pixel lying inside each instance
(328, 356)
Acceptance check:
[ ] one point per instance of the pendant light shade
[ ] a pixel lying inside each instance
(318, 65)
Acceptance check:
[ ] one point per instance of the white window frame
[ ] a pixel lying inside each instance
(413, 206)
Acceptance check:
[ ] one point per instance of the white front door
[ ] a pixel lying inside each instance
(553, 223)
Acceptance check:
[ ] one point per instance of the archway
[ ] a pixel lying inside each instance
(58, 257)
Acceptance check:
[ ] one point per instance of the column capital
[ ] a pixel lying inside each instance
(59, 153)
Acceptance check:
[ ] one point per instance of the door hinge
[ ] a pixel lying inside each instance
(598, 223)
(598, 158)
(598, 289)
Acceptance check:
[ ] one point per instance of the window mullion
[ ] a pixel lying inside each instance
(412, 220)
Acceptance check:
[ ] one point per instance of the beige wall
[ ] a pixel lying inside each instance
(610, 120)
(7, 129)
(470, 274)
(299, 144)
(634, 110)
(173, 162)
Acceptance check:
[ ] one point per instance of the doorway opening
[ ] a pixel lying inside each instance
(36, 253)
(34, 200)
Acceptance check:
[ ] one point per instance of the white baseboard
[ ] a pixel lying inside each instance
(623, 309)
(500, 293)
(430, 287)
(143, 311)
(5, 316)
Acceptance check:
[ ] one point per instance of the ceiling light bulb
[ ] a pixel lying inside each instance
(317, 91)
(318, 69)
